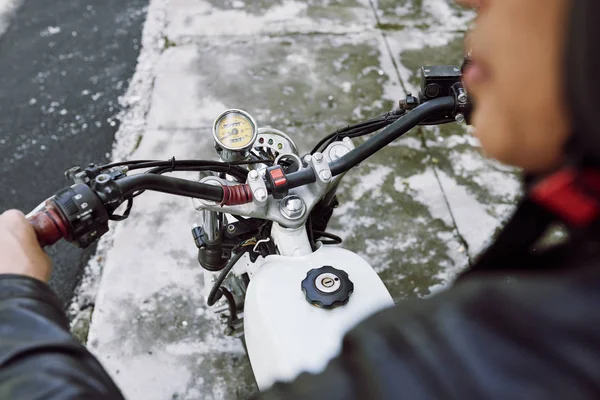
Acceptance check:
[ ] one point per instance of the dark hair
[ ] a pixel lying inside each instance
(583, 81)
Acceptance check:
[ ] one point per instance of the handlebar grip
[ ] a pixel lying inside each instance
(49, 226)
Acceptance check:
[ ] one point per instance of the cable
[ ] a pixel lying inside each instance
(187, 165)
(181, 187)
(334, 238)
(324, 141)
(215, 294)
(179, 166)
(232, 306)
(263, 153)
(125, 163)
(310, 233)
(161, 167)
(238, 175)
(116, 217)
(135, 164)
(266, 248)
(360, 129)
(249, 162)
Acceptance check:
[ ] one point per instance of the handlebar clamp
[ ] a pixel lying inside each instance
(320, 166)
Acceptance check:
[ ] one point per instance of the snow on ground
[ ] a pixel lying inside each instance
(417, 211)
(7, 8)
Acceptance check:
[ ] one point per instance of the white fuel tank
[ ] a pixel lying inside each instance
(285, 334)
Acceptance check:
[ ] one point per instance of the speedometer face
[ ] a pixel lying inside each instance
(235, 130)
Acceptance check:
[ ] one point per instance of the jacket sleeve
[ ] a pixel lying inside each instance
(39, 359)
(531, 338)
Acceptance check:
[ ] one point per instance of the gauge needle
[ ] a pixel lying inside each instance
(234, 132)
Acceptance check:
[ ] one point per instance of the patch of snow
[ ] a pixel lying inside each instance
(7, 10)
(408, 141)
(457, 140)
(444, 15)
(202, 19)
(50, 31)
(346, 87)
(371, 182)
(427, 191)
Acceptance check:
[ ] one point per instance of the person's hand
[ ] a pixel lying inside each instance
(20, 252)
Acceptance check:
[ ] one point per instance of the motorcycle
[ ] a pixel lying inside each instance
(278, 279)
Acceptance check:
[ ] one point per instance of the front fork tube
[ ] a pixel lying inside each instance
(210, 254)
(212, 225)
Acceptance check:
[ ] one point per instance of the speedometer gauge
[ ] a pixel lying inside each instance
(235, 130)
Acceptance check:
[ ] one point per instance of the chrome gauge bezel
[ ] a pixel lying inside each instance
(246, 115)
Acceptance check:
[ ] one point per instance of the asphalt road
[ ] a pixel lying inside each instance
(63, 65)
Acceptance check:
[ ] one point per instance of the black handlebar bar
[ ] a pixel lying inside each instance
(391, 133)
(379, 141)
(166, 184)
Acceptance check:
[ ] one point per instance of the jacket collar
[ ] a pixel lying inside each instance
(572, 195)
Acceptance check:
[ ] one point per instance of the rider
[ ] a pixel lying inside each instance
(535, 335)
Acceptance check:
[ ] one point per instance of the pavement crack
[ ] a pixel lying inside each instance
(387, 45)
(431, 164)
(460, 237)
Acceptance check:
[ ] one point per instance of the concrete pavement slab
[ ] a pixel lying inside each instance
(213, 18)
(282, 81)
(422, 15)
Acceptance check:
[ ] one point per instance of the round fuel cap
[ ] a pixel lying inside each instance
(327, 287)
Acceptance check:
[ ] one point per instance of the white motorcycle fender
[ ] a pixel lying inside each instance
(285, 334)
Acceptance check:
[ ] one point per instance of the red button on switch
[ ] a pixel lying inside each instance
(278, 177)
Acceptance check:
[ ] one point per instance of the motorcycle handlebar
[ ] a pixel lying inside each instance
(79, 213)
(379, 141)
(88, 220)
(164, 184)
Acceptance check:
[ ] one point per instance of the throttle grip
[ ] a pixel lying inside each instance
(49, 226)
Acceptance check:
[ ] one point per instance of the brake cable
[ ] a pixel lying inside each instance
(360, 129)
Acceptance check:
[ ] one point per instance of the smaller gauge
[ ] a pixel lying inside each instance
(235, 132)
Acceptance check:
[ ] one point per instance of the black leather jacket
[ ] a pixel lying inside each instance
(531, 331)
(39, 359)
